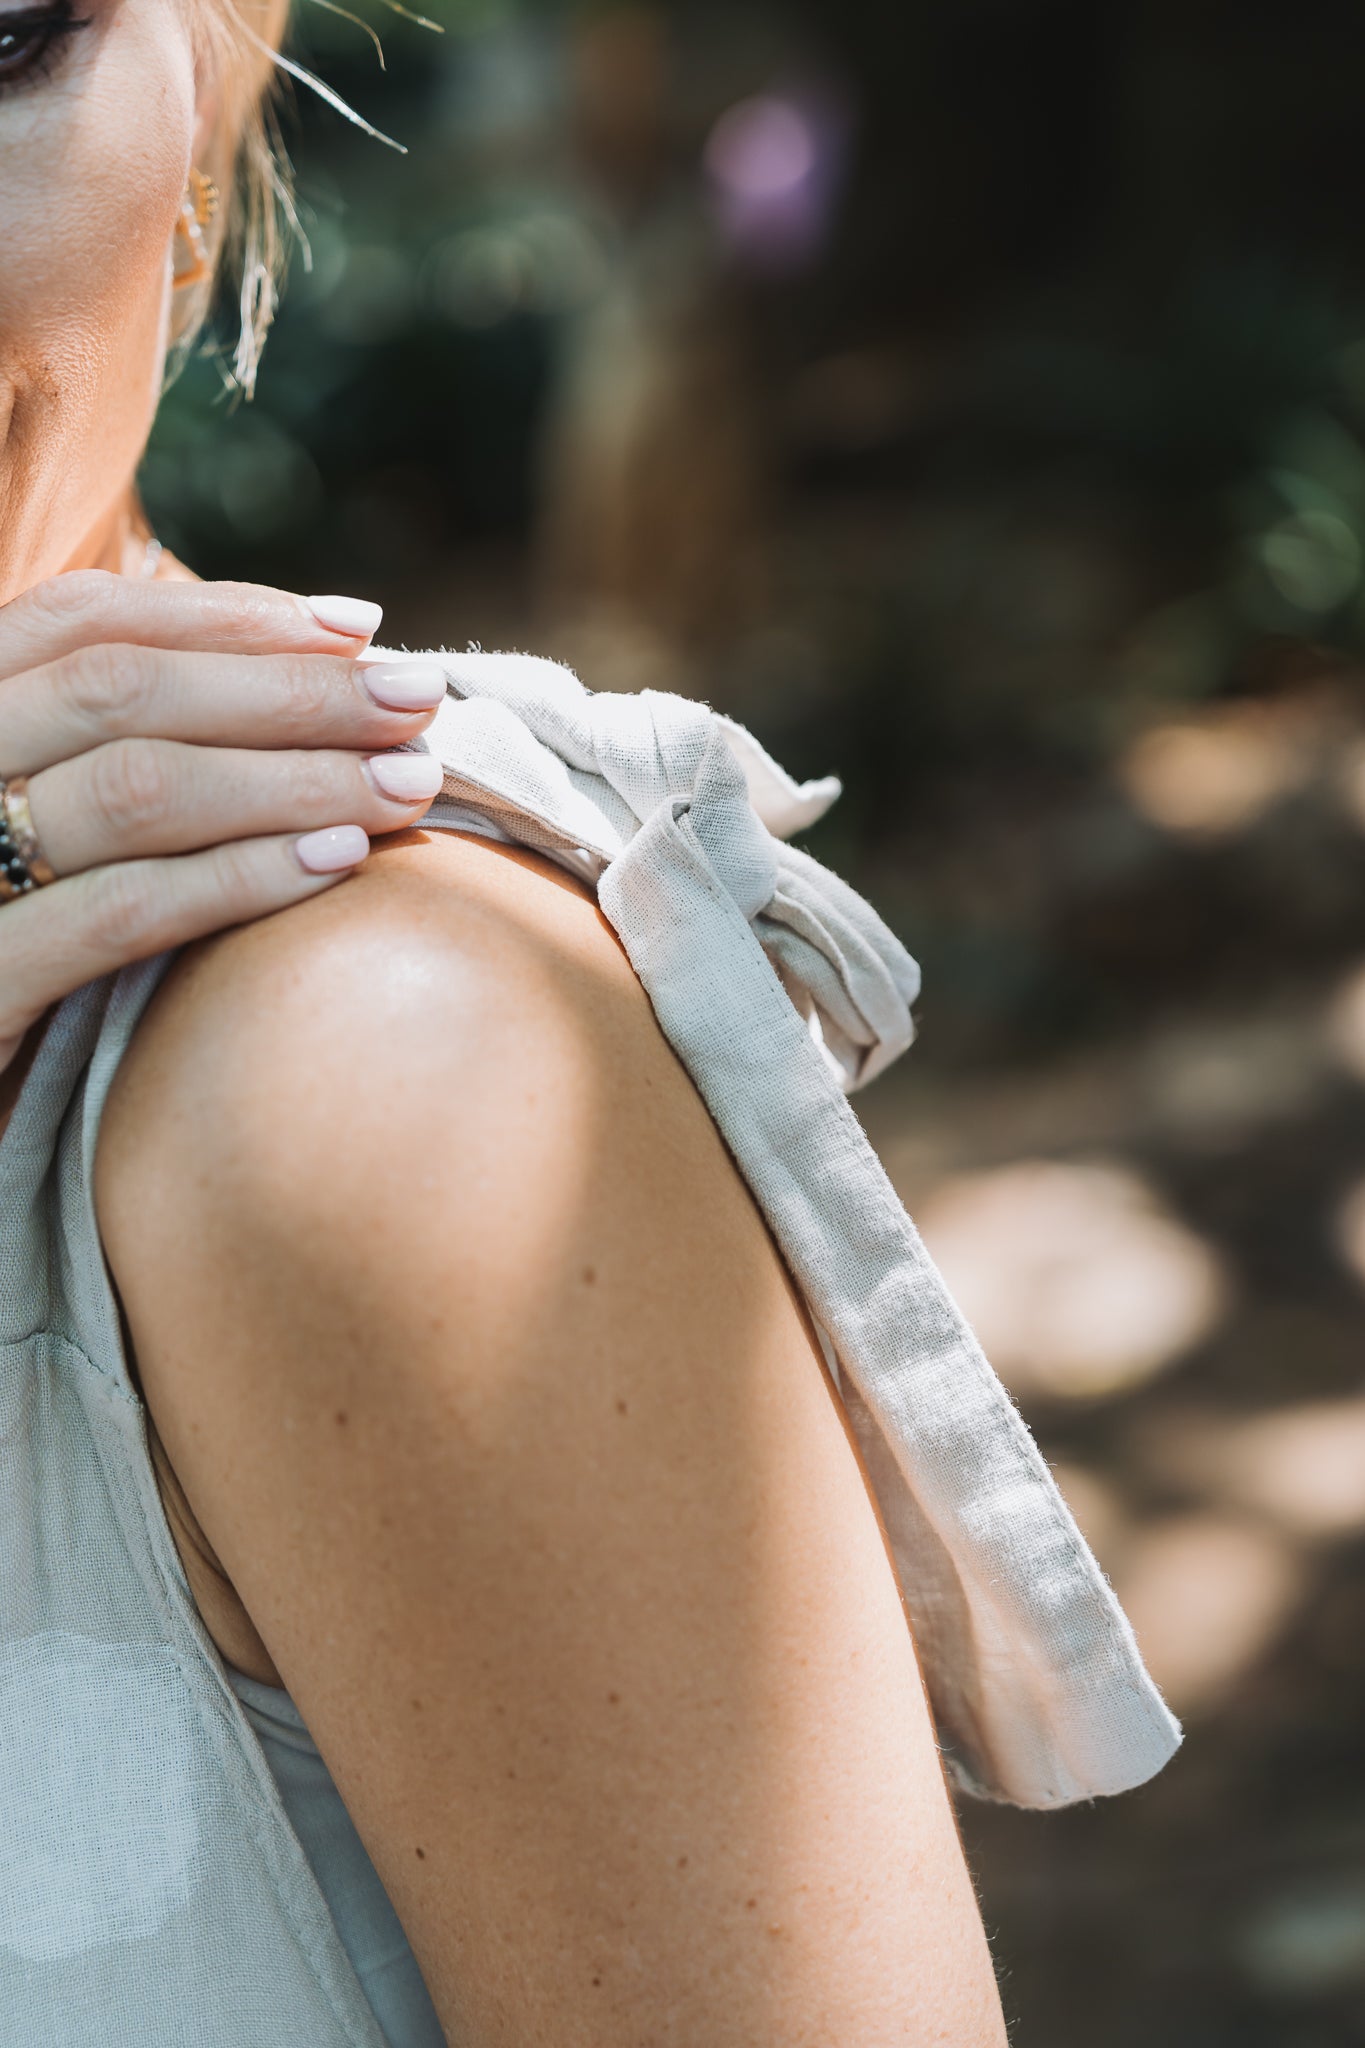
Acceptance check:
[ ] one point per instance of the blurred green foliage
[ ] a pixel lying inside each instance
(382, 425)
(1085, 338)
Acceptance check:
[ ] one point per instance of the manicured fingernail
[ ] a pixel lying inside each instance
(410, 777)
(355, 616)
(335, 847)
(405, 685)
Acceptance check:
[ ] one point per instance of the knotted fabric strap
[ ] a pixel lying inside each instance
(782, 992)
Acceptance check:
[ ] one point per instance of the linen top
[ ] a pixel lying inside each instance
(371, 1932)
(152, 1885)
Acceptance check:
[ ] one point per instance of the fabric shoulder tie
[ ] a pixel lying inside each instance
(782, 992)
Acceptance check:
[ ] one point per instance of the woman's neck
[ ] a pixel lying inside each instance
(119, 539)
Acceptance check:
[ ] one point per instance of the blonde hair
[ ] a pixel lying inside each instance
(238, 41)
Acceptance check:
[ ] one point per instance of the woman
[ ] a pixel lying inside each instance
(458, 1406)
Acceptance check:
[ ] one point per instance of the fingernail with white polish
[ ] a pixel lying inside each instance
(335, 847)
(409, 777)
(406, 685)
(354, 616)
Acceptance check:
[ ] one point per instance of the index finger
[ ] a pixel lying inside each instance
(89, 606)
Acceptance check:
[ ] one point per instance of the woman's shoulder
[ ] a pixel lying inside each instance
(320, 1104)
(436, 964)
(402, 933)
(440, 1052)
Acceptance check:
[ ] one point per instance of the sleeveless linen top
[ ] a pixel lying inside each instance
(371, 1932)
(152, 1885)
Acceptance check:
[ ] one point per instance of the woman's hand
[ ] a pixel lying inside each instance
(198, 758)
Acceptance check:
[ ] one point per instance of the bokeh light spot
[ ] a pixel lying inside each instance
(1206, 1594)
(1074, 1278)
(1301, 1466)
(1309, 1941)
(763, 148)
(1350, 1229)
(1344, 1024)
(1218, 772)
(1313, 559)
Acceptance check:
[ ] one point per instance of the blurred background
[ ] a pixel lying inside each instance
(970, 397)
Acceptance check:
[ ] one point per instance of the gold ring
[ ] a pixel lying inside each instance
(19, 819)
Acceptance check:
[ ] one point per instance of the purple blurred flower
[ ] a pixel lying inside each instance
(774, 164)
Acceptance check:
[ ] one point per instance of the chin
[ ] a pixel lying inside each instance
(73, 421)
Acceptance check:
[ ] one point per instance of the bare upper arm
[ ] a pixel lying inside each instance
(481, 1372)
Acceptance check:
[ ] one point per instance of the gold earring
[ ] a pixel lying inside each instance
(193, 264)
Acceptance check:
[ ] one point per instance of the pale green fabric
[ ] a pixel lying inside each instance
(152, 1889)
(369, 1928)
(152, 1886)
